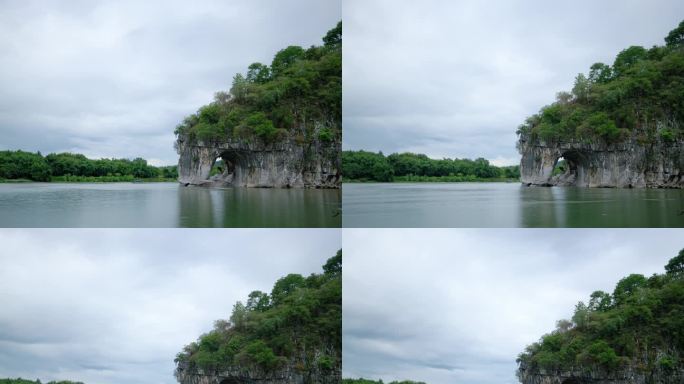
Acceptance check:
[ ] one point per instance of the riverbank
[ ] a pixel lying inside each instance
(435, 179)
(94, 179)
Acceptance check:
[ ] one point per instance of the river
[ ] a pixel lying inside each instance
(164, 205)
(486, 205)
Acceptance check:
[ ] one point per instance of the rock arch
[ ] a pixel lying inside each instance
(629, 164)
(572, 380)
(252, 163)
(230, 380)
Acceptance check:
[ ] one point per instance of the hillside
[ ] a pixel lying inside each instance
(292, 335)
(633, 335)
(621, 125)
(278, 126)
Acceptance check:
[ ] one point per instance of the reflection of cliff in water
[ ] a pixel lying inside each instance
(259, 207)
(600, 207)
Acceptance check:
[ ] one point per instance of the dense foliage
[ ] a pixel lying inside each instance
(299, 94)
(22, 381)
(366, 381)
(76, 167)
(641, 95)
(642, 318)
(366, 166)
(300, 319)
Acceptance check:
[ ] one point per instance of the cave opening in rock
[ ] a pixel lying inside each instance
(230, 380)
(565, 168)
(572, 380)
(223, 167)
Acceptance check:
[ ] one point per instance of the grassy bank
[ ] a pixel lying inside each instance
(94, 179)
(109, 179)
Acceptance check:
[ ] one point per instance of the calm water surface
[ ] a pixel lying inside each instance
(508, 205)
(164, 205)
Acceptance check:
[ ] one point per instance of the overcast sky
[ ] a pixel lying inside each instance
(114, 78)
(456, 78)
(115, 306)
(458, 306)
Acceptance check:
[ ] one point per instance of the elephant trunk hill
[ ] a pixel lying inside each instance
(278, 126)
(622, 125)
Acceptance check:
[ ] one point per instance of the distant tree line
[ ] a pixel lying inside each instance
(370, 166)
(641, 95)
(640, 323)
(22, 381)
(77, 167)
(366, 381)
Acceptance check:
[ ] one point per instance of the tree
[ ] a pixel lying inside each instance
(334, 36)
(581, 88)
(600, 73)
(286, 285)
(237, 318)
(600, 301)
(334, 264)
(628, 58)
(676, 36)
(627, 286)
(239, 88)
(258, 301)
(580, 315)
(675, 266)
(285, 58)
(258, 73)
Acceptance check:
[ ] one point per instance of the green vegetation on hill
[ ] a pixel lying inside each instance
(365, 381)
(75, 167)
(642, 321)
(641, 95)
(369, 166)
(299, 88)
(22, 381)
(300, 319)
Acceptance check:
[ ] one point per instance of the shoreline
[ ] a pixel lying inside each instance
(134, 181)
(496, 180)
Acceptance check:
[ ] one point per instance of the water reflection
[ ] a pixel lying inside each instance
(601, 207)
(484, 205)
(164, 205)
(243, 207)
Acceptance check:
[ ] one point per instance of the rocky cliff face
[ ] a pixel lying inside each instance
(626, 376)
(252, 163)
(294, 372)
(624, 165)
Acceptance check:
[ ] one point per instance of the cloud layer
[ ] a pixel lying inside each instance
(457, 306)
(113, 78)
(115, 306)
(456, 78)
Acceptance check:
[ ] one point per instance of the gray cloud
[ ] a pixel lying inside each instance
(457, 306)
(456, 78)
(113, 78)
(115, 306)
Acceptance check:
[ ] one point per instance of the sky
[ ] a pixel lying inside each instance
(456, 78)
(114, 78)
(115, 306)
(458, 306)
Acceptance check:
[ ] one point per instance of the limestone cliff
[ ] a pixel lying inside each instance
(296, 371)
(254, 163)
(628, 375)
(627, 164)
